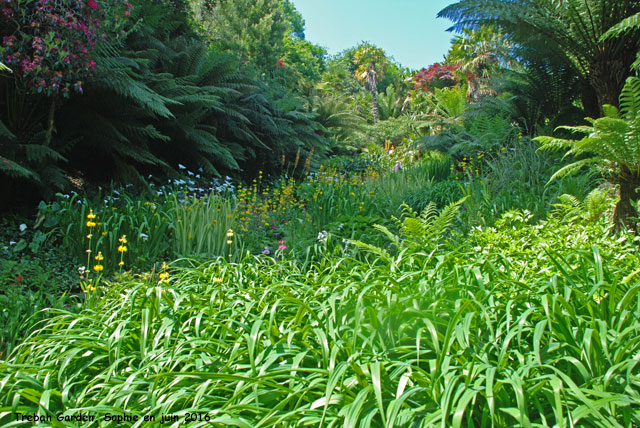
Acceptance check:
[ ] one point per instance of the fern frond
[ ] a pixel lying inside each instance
(395, 239)
(628, 24)
(380, 252)
(630, 99)
(15, 170)
(572, 168)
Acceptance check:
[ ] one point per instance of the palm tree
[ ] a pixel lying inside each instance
(480, 53)
(371, 83)
(567, 32)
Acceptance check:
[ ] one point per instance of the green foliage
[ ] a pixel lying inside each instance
(612, 141)
(423, 231)
(145, 224)
(591, 209)
(252, 29)
(34, 273)
(27, 158)
(390, 103)
(481, 55)
(562, 33)
(204, 227)
(303, 57)
(520, 324)
(440, 193)
(542, 96)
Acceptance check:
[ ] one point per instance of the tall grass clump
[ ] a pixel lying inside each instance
(146, 224)
(201, 226)
(520, 324)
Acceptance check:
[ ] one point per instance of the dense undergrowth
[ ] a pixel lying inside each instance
(516, 325)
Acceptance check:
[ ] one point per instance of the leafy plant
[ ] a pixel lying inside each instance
(520, 324)
(204, 227)
(612, 142)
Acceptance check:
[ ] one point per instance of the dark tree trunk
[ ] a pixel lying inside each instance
(625, 214)
(589, 100)
(607, 76)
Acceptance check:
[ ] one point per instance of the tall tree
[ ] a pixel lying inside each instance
(365, 59)
(567, 32)
(253, 29)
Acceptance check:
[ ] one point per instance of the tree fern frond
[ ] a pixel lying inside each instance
(15, 170)
(628, 24)
(630, 99)
(41, 153)
(571, 168)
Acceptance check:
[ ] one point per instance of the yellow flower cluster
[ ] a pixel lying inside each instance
(98, 267)
(122, 248)
(90, 223)
(264, 208)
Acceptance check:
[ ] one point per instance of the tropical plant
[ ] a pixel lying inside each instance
(252, 29)
(567, 33)
(479, 55)
(627, 25)
(612, 142)
(390, 103)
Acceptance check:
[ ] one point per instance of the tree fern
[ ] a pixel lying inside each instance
(562, 32)
(612, 142)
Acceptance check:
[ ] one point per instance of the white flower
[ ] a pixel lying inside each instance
(12, 242)
(23, 227)
(144, 236)
(322, 236)
(181, 166)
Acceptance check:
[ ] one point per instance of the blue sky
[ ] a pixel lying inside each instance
(407, 30)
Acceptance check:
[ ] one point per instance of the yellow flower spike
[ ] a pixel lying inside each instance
(229, 242)
(122, 249)
(98, 268)
(91, 223)
(123, 239)
(99, 256)
(89, 236)
(91, 215)
(121, 263)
